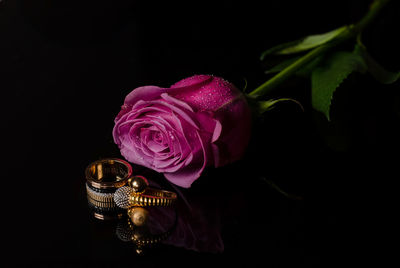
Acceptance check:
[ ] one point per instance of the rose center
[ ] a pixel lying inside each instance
(157, 137)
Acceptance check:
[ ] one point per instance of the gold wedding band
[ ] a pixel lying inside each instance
(108, 174)
(103, 178)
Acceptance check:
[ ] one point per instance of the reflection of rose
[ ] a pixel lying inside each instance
(197, 228)
(200, 121)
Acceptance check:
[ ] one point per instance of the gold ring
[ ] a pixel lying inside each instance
(138, 194)
(103, 178)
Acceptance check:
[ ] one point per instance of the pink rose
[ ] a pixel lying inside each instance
(200, 121)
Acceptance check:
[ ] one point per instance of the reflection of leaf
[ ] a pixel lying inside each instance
(336, 134)
(375, 69)
(327, 77)
(304, 44)
(279, 190)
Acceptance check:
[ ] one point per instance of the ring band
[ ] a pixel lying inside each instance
(153, 197)
(138, 194)
(100, 199)
(108, 174)
(103, 178)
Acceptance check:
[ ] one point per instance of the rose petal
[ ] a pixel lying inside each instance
(156, 147)
(117, 132)
(130, 154)
(174, 164)
(196, 80)
(216, 154)
(207, 95)
(167, 97)
(186, 176)
(145, 93)
(182, 113)
(217, 131)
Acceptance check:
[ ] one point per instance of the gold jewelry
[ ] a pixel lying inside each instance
(108, 174)
(143, 239)
(138, 194)
(103, 178)
(128, 231)
(105, 198)
(138, 216)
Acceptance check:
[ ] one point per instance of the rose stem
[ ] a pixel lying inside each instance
(350, 32)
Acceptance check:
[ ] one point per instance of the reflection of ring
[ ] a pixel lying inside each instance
(137, 193)
(142, 237)
(103, 178)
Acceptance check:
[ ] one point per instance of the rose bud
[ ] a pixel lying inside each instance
(200, 121)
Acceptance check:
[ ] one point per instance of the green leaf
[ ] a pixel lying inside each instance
(245, 85)
(303, 72)
(374, 68)
(282, 65)
(328, 76)
(303, 44)
(276, 49)
(313, 41)
(309, 68)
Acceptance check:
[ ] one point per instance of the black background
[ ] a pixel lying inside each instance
(65, 68)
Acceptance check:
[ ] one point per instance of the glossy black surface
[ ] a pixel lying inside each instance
(64, 71)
